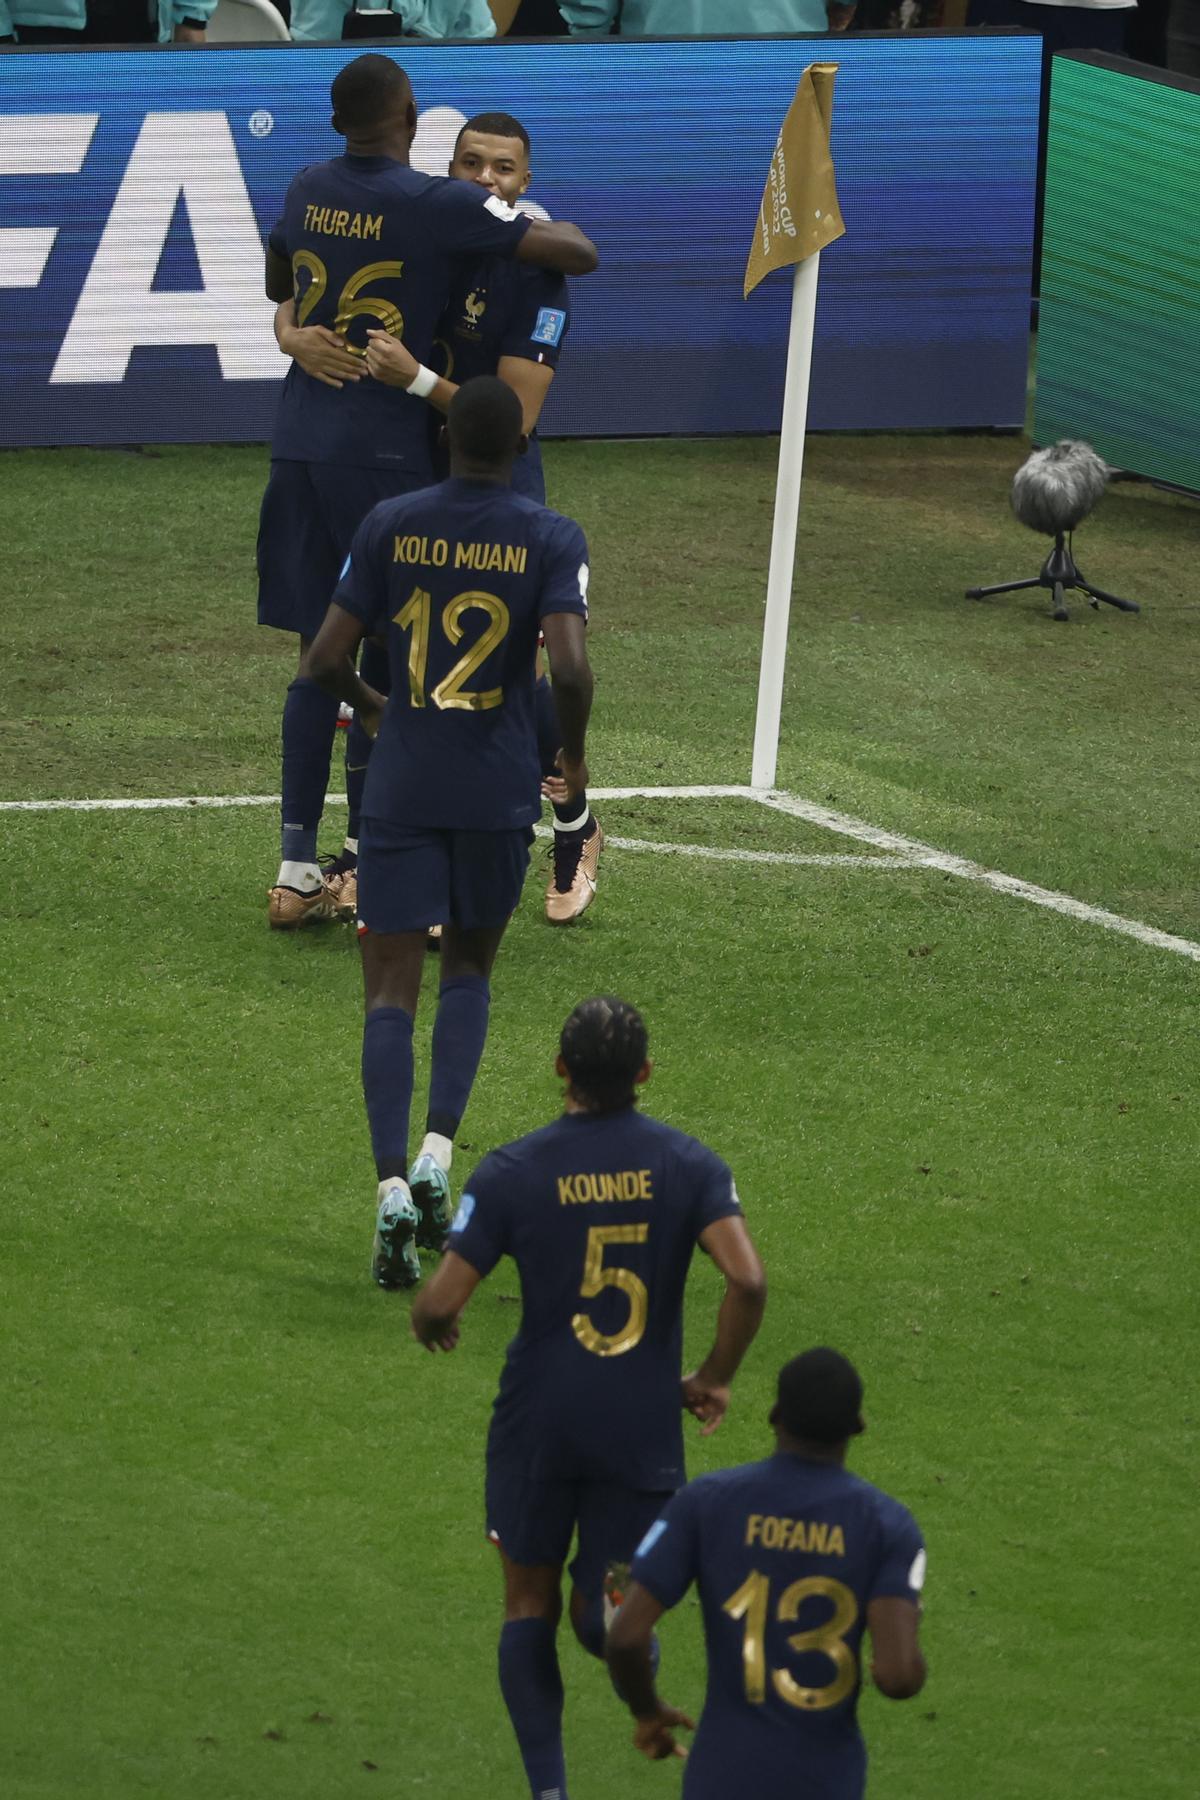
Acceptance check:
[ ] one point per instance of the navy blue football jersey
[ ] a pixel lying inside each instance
(458, 578)
(372, 245)
(500, 308)
(787, 1555)
(600, 1213)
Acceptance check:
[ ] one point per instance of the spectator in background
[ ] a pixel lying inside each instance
(324, 21)
(702, 18)
(528, 18)
(105, 21)
(1063, 24)
(1183, 37)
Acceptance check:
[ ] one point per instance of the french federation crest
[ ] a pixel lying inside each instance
(474, 307)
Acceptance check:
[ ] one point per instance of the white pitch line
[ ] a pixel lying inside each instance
(924, 856)
(904, 851)
(791, 859)
(190, 802)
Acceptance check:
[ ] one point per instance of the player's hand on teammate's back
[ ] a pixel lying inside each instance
(705, 1400)
(322, 354)
(389, 361)
(655, 1737)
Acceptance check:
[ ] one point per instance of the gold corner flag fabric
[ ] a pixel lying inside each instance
(799, 214)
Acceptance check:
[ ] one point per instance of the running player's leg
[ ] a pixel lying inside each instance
(487, 873)
(297, 569)
(404, 882)
(531, 1523)
(578, 839)
(613, 1520)
(530, 1677)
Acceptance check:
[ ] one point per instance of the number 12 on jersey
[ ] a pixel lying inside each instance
(450, 693)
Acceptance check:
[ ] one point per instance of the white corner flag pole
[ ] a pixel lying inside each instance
(787, 513)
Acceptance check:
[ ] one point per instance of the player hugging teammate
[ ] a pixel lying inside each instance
(366, 250)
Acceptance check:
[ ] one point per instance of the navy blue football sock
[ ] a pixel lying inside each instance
(358, 755)
(375, 670)
(309, 722)
(459, 1034)
(387, 1079)
(531, 1683)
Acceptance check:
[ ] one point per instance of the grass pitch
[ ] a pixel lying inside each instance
(242, 1510)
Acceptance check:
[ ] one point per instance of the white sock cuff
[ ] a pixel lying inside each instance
(305, 877)
(573, 824)
(440, 1148)
(351, 844)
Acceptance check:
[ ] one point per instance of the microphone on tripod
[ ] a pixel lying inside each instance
(1053, 491)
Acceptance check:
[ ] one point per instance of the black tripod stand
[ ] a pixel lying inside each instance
(1058, 574)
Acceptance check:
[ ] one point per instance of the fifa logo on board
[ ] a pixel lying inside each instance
(185, 164)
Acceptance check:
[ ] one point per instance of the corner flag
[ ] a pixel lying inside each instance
(799, 213)
(798, 216)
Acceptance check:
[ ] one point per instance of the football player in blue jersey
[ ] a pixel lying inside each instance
(510, 320)
(458, 580)
(601, 1212)
(794, 1558)
(363, 240)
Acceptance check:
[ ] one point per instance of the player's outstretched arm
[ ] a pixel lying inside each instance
(437, 1308)
(897, 1661)
(627, 1650)
(571, 685)
(706, 1393)
(553, 244)
(329, 661)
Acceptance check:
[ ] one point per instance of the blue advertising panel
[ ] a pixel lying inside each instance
(137, 189)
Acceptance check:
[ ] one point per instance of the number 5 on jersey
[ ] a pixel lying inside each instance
(597, 1275)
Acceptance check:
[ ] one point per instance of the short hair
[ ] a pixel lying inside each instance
(819, 1397)
(494, 125)
(485, 420)
(369, 91)
(603, 1045)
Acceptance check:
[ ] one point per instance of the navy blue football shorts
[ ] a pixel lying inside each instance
(533, 1520)
(409, 879)
(310, 513)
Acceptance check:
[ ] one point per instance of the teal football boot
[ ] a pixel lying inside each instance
(431, 1192)
(394, 1262)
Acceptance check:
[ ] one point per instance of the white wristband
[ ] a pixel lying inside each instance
(422, 383)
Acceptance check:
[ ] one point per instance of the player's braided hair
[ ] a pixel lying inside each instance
(604, 1044)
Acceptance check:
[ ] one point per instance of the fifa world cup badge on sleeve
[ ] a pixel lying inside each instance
(462, 1217)
(549, 327)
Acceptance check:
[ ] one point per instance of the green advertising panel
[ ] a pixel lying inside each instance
(1119, 325)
